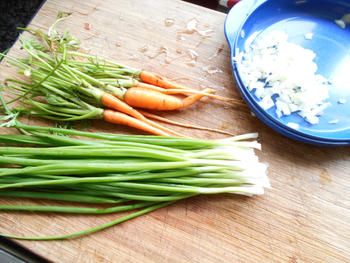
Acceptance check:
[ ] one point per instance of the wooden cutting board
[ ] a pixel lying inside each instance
(303, 218)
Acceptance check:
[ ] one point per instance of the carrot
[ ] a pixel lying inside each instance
(155, 100)
(209, 92)
(72, 88)
(155, 79)
(162, 119)
(113, 102)
(115, 117)
(165, 90)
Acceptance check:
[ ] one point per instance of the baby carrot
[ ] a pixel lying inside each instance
(209, 92)
(113, 102)
(123, 119)
(155, 100)
(186, 125)
(155, 79)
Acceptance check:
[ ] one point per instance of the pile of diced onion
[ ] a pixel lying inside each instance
(283, 74)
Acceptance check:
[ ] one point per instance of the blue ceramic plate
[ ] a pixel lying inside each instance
(250, 19)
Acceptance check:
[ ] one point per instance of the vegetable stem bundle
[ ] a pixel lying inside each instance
(66, 85)
(129, 172)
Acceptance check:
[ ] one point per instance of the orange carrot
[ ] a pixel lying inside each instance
(155, 79)
(155, 100)
(167, 91)
(162, 119)
(113, 102)
(115, 117)
(209, 92)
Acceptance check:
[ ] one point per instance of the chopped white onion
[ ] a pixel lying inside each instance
(283, 74)
(308, 36)
(342, 101)
(335, 121)
(191, 26)
(340, 22)
(293, 125)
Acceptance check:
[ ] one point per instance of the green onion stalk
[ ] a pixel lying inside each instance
(130, 173)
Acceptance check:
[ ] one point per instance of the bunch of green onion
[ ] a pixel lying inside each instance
(129, 172)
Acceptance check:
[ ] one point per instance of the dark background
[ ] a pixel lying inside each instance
(17, 13)
(13, 14)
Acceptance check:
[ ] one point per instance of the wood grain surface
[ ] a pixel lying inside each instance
(305, 217)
